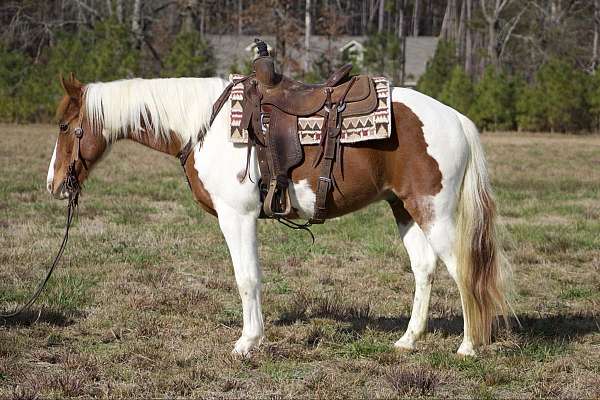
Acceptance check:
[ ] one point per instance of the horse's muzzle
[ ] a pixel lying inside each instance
(60, 193)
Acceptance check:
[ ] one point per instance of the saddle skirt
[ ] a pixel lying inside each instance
(355, 128)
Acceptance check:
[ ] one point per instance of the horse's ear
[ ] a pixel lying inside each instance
(71, 86)
(75, 80)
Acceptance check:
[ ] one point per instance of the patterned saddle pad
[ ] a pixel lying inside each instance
(376, 125)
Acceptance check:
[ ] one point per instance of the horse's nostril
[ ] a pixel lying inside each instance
(49, 186)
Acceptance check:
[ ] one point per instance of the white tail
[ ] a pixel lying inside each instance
(483, 270)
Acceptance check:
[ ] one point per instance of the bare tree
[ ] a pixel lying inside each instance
(596, 29)
(450, 23)
(239, 18)
(468, 37)
(187, 14)
(415, 18)
(491, 10)
(119, 11)
(136, 22)
(381, 16)
(307, 23)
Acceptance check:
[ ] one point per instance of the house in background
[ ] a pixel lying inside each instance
(239, 49)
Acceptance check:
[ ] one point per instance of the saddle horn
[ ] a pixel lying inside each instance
(264, 65)
(263, 51)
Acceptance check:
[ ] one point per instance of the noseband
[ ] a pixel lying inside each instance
(72, 185)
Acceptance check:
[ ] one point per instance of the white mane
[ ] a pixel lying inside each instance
(179, 105)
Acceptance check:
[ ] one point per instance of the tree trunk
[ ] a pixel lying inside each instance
(468, 39)
(492, 16)
(188, 15)
(109, 9)
(400, 19)
(136, 23)
(381, 16)
(307, 23)
(492, 41)
(239, 17)
(402, 38)
(448, 30)
(596, 29)
(119, 11)
(460, 32)
(372, 4)
(202, 18)
(415, 18)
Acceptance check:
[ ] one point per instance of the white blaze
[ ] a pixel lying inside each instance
(50, 176)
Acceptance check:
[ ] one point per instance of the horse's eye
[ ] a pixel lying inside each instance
(63, 126)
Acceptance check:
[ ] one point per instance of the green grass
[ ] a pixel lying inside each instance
(145, 303)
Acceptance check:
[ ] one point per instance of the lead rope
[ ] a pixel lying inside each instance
(72, 185)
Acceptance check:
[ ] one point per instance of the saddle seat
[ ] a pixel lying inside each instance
(305, 99)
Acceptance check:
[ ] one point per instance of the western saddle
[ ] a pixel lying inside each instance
(271, 107)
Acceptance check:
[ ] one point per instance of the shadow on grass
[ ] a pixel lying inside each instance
(43, 316)
(545, 328)
(559, 327)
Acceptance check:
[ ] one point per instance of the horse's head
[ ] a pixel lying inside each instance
(71, 116)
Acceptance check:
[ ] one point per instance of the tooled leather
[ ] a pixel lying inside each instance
(303, 100)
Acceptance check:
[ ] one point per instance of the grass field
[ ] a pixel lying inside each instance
(145, 304)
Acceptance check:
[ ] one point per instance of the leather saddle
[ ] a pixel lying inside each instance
(271, 107)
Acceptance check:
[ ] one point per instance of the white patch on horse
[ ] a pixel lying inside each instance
(178, 105)
(50, 176)
(446, 144)
(444, 133)
(303, 198)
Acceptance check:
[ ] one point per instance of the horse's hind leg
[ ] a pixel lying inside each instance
(422, 262)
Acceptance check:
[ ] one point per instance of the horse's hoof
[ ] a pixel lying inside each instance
(244, 346)
(466, 350)
(405, 345)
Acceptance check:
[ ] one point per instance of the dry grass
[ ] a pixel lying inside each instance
(145, 303)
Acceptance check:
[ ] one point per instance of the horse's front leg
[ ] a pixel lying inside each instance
(239, 229)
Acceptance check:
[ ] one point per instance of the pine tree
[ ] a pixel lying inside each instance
(493, 105)
(556, 100)
(438, 69)
(458, 91)
(382, 55)
(593, 98)
(14, 71)
(190, 55)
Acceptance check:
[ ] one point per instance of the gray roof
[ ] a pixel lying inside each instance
(230, 48)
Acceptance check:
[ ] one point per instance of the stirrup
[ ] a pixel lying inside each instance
(272, 198)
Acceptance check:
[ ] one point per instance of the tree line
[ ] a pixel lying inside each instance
(508, 64)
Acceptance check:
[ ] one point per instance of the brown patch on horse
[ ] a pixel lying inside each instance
(419, 176)
(396, 168)
(149, 139)
(173, 147)
(200, 193)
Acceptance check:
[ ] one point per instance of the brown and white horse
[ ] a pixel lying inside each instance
(431, 171)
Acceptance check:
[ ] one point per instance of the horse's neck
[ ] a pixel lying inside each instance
(172, 147)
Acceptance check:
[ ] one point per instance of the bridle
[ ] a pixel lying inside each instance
(73, 186)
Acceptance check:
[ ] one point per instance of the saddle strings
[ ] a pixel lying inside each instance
(296, 226)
